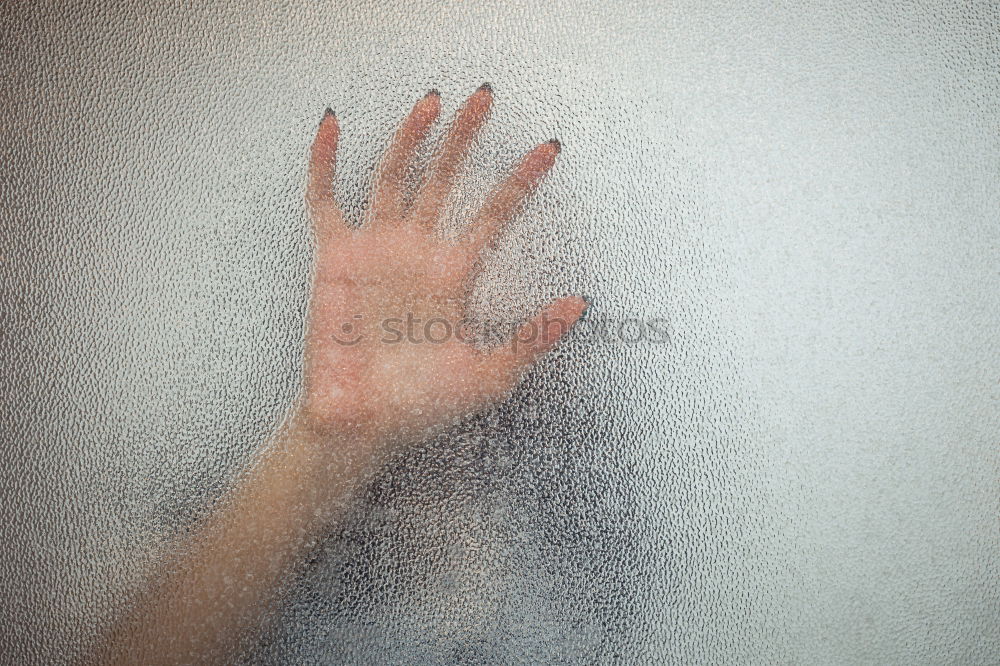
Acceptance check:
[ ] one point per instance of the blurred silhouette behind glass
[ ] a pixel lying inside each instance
(808, 195)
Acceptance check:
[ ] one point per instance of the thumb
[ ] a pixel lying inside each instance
(502, 368)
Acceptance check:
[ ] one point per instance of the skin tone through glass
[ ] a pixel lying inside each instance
(361, 398)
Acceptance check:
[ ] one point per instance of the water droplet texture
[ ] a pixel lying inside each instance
(772, 439)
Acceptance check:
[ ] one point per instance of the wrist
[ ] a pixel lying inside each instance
(318, 466)
(303, 429)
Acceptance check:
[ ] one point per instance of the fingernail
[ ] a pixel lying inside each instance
(434, 92)
(557, 143)
(327, 114)
(586, 310)
(485, 86)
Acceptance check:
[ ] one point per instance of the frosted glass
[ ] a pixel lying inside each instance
(805, 471)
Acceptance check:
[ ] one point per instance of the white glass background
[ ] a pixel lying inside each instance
(808, 192)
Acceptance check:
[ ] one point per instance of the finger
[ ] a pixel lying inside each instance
(432, 195)
(502, 368)
(387, 198)
(326, 214)
(506, 200)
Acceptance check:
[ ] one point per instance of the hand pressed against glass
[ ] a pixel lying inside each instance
(398, 266)
(357, 396)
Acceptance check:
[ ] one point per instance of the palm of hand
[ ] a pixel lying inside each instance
(386, 354)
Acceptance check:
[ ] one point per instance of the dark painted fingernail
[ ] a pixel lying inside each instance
(557, 143)
(434, 92)
(485, 86)
(329, 113)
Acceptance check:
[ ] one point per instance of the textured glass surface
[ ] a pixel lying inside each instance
(808, 193)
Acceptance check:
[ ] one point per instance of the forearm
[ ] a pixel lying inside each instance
(220, 585)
